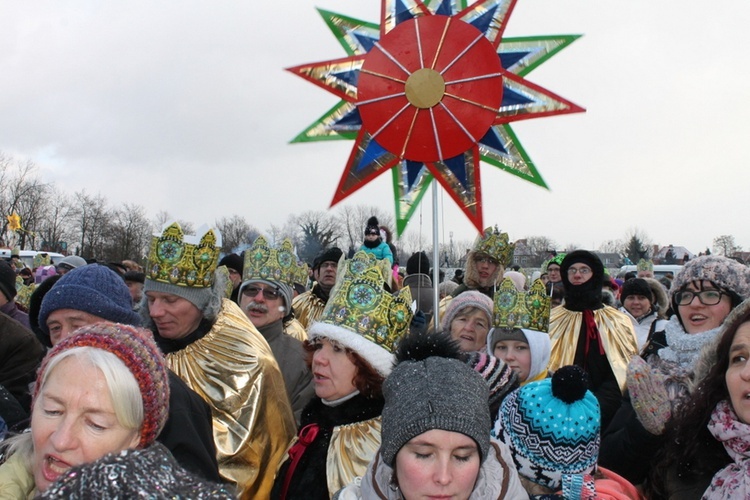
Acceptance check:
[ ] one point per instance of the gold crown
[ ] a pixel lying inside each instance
(359, 303)
(184, 260)
(645, 265)
(514, 309)
(273, 264)
(495, 244)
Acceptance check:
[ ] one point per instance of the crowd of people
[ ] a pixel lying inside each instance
(255, 375)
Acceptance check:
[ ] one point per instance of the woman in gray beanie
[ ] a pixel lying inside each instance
(435, 442)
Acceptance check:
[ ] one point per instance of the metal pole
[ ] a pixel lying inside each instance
(435, 254)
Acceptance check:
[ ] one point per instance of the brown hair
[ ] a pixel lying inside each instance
(367, 380)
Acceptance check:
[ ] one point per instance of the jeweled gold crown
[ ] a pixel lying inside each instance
(262, 262)
(359, 303)
(514, 309)
(495, 244)
(645, 265)
(184, 260)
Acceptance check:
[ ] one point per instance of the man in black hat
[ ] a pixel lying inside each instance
(308, 307)
(234, 266)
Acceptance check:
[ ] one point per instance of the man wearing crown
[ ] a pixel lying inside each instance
(587, 333)
(308, 307)
(209, 343)
(645, 268)
(265, 296)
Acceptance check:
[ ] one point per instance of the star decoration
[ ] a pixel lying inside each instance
(14, 222)
(428, 94)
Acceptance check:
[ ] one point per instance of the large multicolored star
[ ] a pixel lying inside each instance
(429, 93)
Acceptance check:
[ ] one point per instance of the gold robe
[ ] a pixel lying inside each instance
(294, 328)
(615, 330)
(307, 308)
(352, 448)
(233, 369)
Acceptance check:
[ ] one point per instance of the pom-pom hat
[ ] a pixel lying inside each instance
(430, 388)
(552, 427)
(135, 347)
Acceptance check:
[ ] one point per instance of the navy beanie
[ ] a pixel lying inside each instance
(94, 289)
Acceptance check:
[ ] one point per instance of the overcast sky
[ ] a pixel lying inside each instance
(184, 106)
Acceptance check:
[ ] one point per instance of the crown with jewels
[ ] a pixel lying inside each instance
(184, 260)
(495, 244)
(262, 262)
(645, 265)
(514, 309)
(360, 304)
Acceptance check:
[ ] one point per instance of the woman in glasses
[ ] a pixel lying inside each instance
(702, 296)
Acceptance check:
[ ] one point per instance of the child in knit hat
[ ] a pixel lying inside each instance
(552, 429)
(435, 442)
(525, 351)
(374, 243)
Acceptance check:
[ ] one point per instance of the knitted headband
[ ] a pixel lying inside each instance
(285, 290)
(470, 298)
(135, 347)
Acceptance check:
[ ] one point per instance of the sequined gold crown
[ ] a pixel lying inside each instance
(359, 303)
(262, 262)
(495, 244)
(645, 265)
(514, 309)
(184, 260)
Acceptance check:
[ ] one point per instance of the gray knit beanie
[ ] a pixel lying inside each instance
(198, 296)
(285, 290)
(427, 390)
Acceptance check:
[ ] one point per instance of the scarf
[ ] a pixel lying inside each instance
(733, 481)
(682, 347)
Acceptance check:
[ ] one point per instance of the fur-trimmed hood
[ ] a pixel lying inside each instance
(471, 274)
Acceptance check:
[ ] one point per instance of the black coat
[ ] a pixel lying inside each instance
(309, 481)
(20, 355)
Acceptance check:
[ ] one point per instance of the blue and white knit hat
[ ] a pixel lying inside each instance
(552, 428)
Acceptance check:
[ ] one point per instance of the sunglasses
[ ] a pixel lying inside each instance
(268, 293)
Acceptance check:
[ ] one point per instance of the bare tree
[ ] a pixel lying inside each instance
(130, 234)
(56, 225)
(93, 224)
(162, 217)
(725, 245)
(612, 246)
(317, 231)
(22, 192)
(540, 245)
(236, 233)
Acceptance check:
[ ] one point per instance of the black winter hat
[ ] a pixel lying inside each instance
(636, 286)
(332, 254)
(373, 226)
(584, 257)
(232, 261)
(418, 263)
(7, 280)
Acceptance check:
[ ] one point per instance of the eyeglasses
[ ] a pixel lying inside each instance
(232, 271)
(268, 293)
(707, 297)
(485, 260)
(584, 271)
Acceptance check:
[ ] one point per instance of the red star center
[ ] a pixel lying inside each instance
(430, 89)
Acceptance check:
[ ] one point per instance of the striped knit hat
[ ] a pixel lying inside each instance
(500, 378)
(136, 348)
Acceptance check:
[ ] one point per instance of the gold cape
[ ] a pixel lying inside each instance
(233, 369)
(307, 308)
(352, 448)
(615, 330)
(294, 328)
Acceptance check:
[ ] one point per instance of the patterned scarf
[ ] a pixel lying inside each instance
(733, 481)
(682, 347)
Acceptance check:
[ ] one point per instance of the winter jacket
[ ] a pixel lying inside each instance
(291, 355)
(382, 251)
(20, 354)
(422, 291)
(347, 439)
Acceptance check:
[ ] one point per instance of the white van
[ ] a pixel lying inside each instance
(660, 270)
(27, 256)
